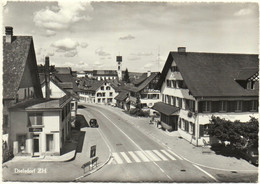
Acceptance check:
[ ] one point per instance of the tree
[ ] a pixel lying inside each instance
(126, 77)
(239, 135)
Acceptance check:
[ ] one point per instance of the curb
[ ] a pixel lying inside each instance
(209, 167)
(101, 166)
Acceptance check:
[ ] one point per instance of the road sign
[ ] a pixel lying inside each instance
(93, 151)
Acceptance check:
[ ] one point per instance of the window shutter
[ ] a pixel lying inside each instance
(188, 127)
(201, 130)
(193, 133)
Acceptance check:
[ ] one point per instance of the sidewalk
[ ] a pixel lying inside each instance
(56, 167)
(197, 155)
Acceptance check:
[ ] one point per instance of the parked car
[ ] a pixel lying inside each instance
(93, 123)
(251, 155)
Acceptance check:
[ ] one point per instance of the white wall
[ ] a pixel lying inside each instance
(56, 92)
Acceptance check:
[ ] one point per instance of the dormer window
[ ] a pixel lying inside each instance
(251, 85)
(174, 69)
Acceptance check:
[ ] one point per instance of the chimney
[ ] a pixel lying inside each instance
(8, 34)
(47, 77)
(181, 50)
(148, 73)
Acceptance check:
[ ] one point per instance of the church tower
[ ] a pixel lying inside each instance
(119, 65)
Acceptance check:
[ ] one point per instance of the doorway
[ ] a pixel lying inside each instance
(36, 150)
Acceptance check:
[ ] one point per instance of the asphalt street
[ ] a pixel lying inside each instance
(136, 157)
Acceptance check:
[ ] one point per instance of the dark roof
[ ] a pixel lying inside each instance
(121, 96)
(165, 108)
(246, 73)
(67, 78)
(92, 85)
(104, 73)
(140, 79)
(28, 103)
(211, 74)
(144, 83)
(15, 57)
(63, 70)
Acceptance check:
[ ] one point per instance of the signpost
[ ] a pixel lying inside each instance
(93, 151)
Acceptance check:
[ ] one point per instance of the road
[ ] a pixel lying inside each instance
(136, 157)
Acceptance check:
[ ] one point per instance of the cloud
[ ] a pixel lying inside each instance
(100, 52)
(50, 33)
(64, 45)
(133, 58)
(244, 11)
(62, 16)
(71, 53)
(83, 45)
(142, 54)
(50, 53)
(128, 37)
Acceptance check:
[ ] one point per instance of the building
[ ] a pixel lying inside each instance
(40, 127)
(100, 92)
(20, 77)
(197, 86)
(119, 67)
(105, 74)
(145, 88)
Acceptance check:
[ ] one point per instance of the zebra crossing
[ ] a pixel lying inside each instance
(143, 156)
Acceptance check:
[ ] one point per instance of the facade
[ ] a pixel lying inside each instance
(145, 87)
(40, 127)
(122, 100)
(100, 92)
(197, 86)
(105, 74)
(20, 77)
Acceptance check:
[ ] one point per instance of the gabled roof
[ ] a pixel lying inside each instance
(211, 74)
(15, 57)
(144, 83)
(140, 79)
(67, 78)
(246, 73)
(92, 85)
(121, 96)
(165, 108)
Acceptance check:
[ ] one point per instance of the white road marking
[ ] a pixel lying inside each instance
(160, 155)
(175, 154)
(134, 143)
(134, 156)
(205, 172)
(168, 155)
(117, 158)
(152, 156)
(125, 157)
(142, 156)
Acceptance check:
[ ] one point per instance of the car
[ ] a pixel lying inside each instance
(93, 123)
(251, 155)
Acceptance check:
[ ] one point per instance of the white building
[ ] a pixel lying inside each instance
(195, 86)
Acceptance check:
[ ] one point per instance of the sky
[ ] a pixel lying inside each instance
(89, 35)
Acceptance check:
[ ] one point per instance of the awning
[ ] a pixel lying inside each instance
(165, 108)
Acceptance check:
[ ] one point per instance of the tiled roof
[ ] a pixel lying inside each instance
(140, 79)
(92, 85)
(28, 103)
(165, 108)
(121, 96)
(144, 83)
(104, 73)
(63, 70)
(246, 73)
(211, 74)
(15, 56)
(65, 78)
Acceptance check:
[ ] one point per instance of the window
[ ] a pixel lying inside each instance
(251, 85)
(174, 69)
(179, 102)
(238, 105)
(107, 88)
(204, 130)
(254, 105)
(35, 118)
(223, 106)
(168, 83)
(180, 83)
(21, 143)
(186, 128)
(206, 106)
(169, 99)
(111, 94)
(102, 88)
(174, 101)
(49, 142)
(104, 94)
(99, 100)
